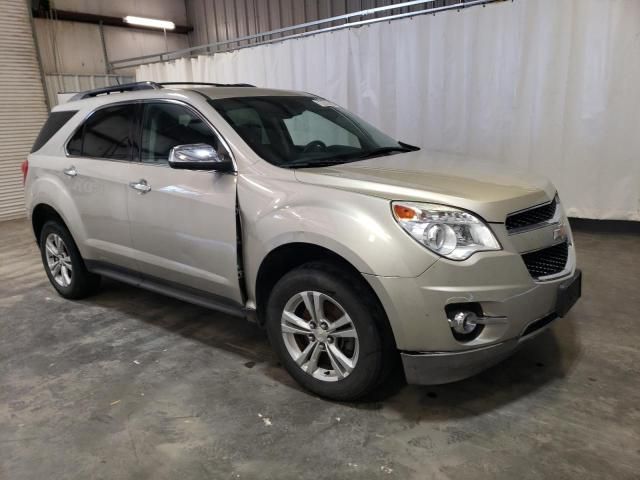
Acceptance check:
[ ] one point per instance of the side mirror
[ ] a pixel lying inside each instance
(199, 156)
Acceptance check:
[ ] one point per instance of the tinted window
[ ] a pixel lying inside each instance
(106, 134)
(74, 146)
(165, 125)
(54, 123)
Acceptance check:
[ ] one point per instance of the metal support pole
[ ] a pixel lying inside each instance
(206, 24)
(43, 78)
(107, 65)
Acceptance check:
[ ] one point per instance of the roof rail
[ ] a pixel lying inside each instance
(125, 87)
(209, 84)
(131, 87)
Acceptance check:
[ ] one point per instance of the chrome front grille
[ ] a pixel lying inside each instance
(531, 217)
(547, 261)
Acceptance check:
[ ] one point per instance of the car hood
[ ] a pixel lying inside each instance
(473, 184)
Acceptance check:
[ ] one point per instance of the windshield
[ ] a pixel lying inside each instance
(298, 131)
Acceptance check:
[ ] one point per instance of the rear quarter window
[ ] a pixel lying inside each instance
(54, 123)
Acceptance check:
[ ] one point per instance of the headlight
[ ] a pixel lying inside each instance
(447, 231)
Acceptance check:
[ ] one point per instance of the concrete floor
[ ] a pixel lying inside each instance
(129, 384)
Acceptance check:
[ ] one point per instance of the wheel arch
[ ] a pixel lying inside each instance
(285, 258)
(40, 215)
(47, 194)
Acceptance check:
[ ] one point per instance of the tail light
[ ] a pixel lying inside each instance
(25, 169)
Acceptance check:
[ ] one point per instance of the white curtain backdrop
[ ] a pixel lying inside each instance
(548, 85)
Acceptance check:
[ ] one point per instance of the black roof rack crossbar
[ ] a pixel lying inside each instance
(125, 87)
(209, 84)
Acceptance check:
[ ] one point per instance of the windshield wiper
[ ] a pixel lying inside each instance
(413, 148)
(314, 164)
(376, 152)
(351, 157)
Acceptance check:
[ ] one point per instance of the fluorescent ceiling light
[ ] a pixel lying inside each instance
(149, 22)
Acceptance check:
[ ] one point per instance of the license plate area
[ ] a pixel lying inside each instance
(568, 294)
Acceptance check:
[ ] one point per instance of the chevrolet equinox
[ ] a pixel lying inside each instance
(357, 252)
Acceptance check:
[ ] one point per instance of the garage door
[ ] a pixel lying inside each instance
(22, 105)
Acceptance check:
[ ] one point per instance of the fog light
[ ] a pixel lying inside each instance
(464, 322)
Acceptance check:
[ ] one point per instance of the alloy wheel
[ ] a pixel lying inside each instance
(320, 336)
(58, 260)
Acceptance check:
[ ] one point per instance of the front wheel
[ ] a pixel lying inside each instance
(327, 329)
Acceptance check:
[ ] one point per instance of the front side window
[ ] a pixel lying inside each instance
(107, 133)
(300, 131)
(166, 125)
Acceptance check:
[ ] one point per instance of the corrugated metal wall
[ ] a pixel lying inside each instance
(83, 48)
(22, 103)
(219, 20)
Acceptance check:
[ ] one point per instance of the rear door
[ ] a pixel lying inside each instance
(96, 172)
(183, 222)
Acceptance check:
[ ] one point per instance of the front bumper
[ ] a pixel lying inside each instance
(498, 281)
(446, 367)
(433, 368)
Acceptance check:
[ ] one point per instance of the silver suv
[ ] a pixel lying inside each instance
(354, 250)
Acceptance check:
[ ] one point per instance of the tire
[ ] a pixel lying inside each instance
(64, 264)
(370, 354)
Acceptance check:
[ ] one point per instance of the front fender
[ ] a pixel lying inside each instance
(360, 228)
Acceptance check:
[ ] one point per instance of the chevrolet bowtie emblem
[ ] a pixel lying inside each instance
(560, 233)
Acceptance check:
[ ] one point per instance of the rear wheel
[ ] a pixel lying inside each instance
(327, 329)
(63, 264)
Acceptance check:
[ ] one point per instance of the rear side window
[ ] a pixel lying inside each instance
(107, 133)
(74, 147)
(54, 123)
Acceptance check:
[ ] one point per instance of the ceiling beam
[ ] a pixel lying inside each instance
(68, 16)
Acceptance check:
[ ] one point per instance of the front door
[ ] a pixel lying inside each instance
(183, 222)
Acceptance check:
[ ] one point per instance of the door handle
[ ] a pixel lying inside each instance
(141, 186)
(70, 172)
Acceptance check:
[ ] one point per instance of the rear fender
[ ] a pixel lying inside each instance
(50, 190)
